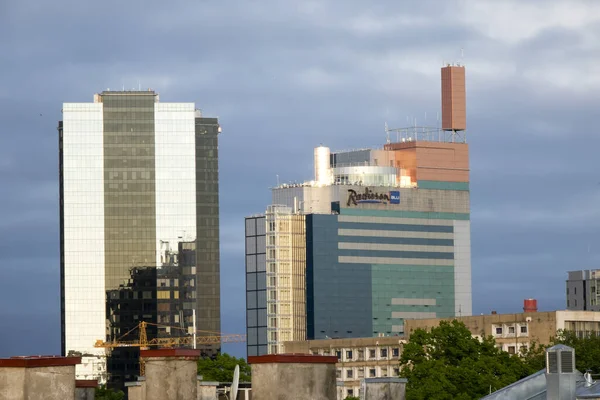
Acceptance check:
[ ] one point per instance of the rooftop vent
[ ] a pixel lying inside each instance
(561, 375)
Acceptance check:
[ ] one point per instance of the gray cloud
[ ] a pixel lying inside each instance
(284, 77)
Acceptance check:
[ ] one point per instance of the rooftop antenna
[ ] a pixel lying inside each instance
(139, 86)
(387, 133)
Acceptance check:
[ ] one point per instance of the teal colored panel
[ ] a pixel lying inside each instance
(410, 282)
(440, 185)
(403, 214)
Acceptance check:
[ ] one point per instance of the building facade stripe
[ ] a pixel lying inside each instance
(349, 259)
(395, 247)
(413, 302)
(380, 234)
(404, 214)
(396, 227)
(396, 240)
(392, 219)
(441, 185)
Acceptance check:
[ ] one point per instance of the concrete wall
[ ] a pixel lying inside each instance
(48, 383)
(136, 390)
(293, 381)
(12, 383)
(207, 390)
(170, 378)
(385, 389)
(85, 393)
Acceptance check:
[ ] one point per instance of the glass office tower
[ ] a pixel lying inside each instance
(139, 213)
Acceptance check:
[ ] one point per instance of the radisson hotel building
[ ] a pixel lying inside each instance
(139, 213)
(378, 237)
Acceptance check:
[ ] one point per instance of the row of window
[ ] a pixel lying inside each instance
(368, 372)
(359, 354)
(510, 329)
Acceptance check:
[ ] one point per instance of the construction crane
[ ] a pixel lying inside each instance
(208, 337)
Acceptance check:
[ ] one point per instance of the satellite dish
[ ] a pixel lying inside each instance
(236, 382)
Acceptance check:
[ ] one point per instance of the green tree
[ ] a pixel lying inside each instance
(449, 363)
(587, 349)
(352, 398)
(221, 368)
(102, 393)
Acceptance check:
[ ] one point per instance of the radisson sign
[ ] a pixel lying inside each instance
(369, 196)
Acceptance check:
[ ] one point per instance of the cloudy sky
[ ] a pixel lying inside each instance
(286, 76)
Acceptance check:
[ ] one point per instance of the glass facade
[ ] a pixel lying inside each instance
(139, 203)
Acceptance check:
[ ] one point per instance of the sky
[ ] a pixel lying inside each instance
(286, 76)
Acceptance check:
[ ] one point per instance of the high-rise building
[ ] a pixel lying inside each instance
(275, 280)
(139, 216)
(387, 229)
(583, 290)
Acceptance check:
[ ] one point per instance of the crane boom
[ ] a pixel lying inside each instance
(207, 337)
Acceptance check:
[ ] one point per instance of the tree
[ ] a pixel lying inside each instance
(221, 368)
(102, 393)
(449, 363)
(587, 349)
(352, 398)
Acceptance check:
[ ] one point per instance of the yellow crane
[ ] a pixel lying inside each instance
(206, 337)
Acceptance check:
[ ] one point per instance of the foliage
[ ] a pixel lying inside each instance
(221, 368)
(352, 398)
(587, 349)
(449, 363)
(102, 393)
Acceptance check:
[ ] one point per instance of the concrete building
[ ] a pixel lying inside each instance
(515, 332)
(583, 290)
(357, 358)
(138, 191)
(275, 280)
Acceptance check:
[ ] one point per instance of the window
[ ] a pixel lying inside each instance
(361, 373)
(348, 354)
(271, 226)
(271, 240)
(511, 329)
(593, 289)
(273, 336)
(574, 290)
(273, 308)
(361, 354)
(272, 267)
(273, 322)
(372, 353)
(349, 373)
(350, 392)
(395, 352)
(272, 281)
(524, 329)
(338, 373)
(383, 352)
(384, 371)
(575, 302)
(372, 373)
(338, 354)
(523, 349)
(511, 349)
(498, 331)
(396, 371)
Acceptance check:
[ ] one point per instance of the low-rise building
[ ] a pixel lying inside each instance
(358, 358)
(515, 332)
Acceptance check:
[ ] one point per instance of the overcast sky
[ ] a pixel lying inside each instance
(286, 76)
